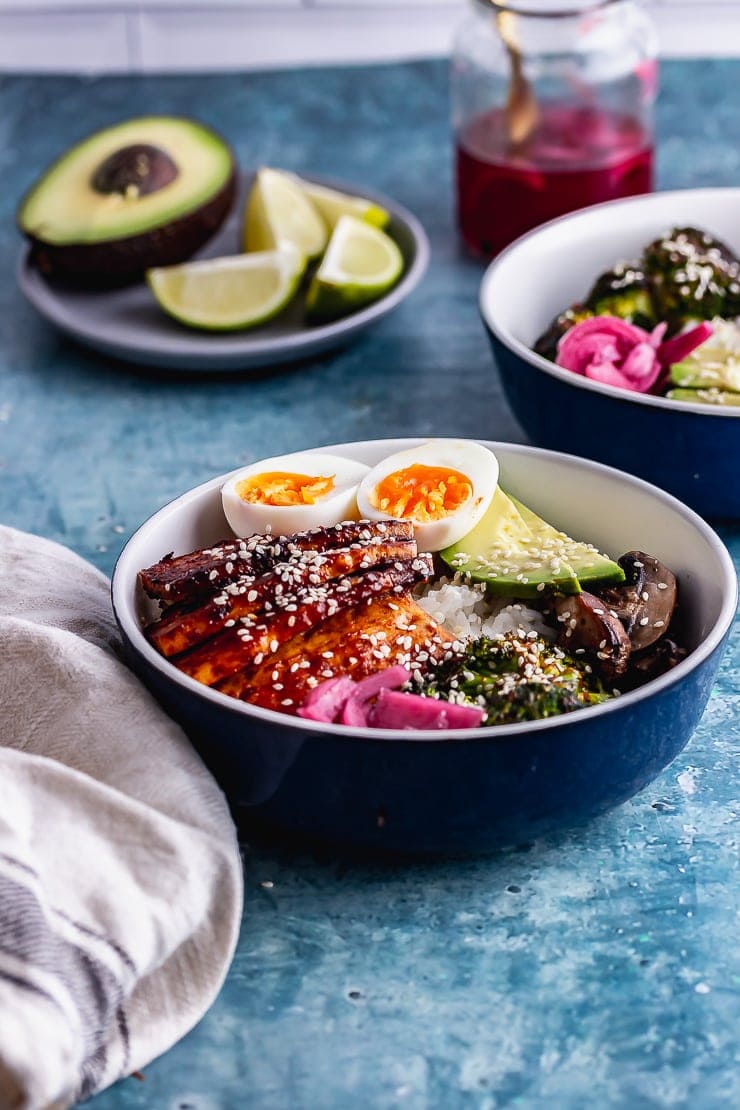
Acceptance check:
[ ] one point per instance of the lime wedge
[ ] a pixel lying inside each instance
(279, 212)
(331, 204)
(228, 294)
(361, 264)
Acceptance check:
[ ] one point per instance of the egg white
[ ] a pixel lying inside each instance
(248, 519)
(477, 463)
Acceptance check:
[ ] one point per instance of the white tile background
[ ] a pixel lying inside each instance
(171, 35)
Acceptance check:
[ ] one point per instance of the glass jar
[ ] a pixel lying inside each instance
(552, 109)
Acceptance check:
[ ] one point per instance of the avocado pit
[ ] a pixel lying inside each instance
(135, 171)
(146, 192)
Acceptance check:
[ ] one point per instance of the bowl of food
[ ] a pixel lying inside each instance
(427, 647)
(616, 336)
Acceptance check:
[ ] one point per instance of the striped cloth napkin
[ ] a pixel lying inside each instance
(120, 876)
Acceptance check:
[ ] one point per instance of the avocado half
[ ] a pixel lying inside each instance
(146, 192)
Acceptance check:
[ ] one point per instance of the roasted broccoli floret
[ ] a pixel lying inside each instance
(692, 276)
(624, 292)
(514, 679)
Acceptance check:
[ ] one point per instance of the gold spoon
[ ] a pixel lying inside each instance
(521, 112)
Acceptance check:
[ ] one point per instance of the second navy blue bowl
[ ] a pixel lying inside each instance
(691, 450)
(467, 791)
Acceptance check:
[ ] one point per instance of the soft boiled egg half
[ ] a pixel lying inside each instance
(443, 486)
(292, 493)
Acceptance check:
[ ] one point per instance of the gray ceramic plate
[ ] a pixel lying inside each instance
(128, 324)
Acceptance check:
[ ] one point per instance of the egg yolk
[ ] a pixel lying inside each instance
(278, 488)
(421, 493)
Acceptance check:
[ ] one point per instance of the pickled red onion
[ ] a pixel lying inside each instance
(342, 700)
(609, 350)
(396, 709)
(355, 707)
(681, 345)
(325, 702)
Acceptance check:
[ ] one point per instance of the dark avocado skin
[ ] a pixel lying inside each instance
(122, 261)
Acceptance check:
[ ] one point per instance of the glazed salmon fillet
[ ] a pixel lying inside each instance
(182, 627)
(185, 577)
(355, 642)
(265, 620)
(254, 639)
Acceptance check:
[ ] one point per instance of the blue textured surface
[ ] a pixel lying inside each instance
(598, 969)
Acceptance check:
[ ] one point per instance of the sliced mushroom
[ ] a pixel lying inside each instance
(586, 625)
(645, 603)
(660, 657)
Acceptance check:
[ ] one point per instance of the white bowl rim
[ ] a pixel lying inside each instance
(568, 377)
(129, 623)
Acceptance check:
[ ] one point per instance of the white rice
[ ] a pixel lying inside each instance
(465, 611)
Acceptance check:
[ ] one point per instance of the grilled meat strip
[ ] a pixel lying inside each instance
(186, 577)
(182, 627)
(355, 642)
(254, 638)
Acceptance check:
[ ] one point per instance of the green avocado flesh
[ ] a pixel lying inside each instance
(713, 369)
(85, 197)
(517, 554)
(709, 396)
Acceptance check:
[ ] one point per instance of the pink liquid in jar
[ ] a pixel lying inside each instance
(574, 157)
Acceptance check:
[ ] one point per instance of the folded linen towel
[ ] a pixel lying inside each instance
(120, 877)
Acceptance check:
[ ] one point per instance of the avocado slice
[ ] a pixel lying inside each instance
(146, 192)
(587, 563)
(710, 396)
(517, 554)
(708, 368)
(504, 552)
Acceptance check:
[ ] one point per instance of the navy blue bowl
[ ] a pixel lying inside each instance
(460, 791)
(691, 450)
